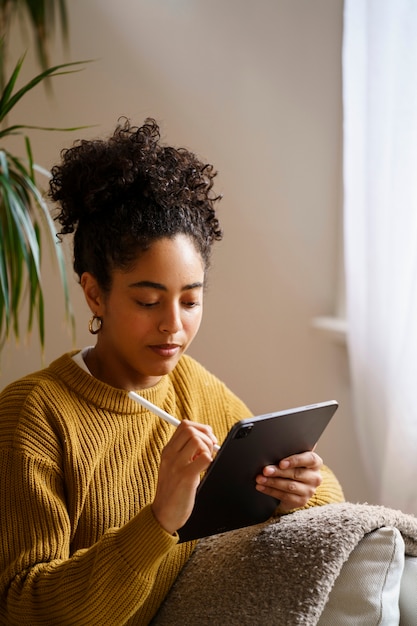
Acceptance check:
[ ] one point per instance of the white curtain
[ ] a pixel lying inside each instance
(380, 225)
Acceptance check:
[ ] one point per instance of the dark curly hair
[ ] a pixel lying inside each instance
(119, 195)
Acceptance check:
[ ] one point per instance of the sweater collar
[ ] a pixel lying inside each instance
(104, 395)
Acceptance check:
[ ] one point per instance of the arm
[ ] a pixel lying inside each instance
(42, 581)
(79, 540)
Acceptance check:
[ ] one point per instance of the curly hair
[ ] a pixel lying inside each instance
(121, 194)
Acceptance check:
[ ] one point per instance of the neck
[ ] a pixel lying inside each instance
(112, 376)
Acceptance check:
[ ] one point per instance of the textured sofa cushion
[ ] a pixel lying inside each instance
(367, 590)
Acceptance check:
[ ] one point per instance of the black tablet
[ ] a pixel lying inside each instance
(226, 498)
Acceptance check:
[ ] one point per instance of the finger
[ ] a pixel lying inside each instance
(302, 474)
(305, 459)
(200, 429)
(290, 504)
(291, 493)
(276, 478)
(192, 432)
(302, 483)
(188, 444)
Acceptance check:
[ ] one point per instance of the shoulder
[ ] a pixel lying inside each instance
(26, 405)
(37, 383)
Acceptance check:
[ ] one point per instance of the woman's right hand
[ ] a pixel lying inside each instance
(188, 453)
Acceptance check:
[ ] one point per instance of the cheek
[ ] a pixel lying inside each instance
(195, 323)
(129, 321)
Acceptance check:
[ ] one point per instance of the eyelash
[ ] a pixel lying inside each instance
(149, 305)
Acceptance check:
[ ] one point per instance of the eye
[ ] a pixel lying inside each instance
(191, 304)
(146, 305)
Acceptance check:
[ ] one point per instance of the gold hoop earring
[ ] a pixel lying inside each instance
(95, 324)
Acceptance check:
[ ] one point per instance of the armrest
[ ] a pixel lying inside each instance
(408, 592)
(367, 591)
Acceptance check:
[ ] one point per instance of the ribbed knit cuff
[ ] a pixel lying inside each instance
(143, 543)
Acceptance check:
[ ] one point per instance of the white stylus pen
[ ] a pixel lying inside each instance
(159, 412)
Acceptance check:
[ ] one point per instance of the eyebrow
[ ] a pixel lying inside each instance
(151, 285)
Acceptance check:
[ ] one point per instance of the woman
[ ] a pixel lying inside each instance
(93, 486)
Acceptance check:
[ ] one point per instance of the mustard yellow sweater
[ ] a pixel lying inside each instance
(78, 469)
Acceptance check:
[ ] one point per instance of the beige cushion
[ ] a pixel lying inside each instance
(408, 593)
(367, 590)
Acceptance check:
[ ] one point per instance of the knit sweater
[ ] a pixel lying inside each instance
(78, 469)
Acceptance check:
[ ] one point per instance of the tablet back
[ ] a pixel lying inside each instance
(227, 498)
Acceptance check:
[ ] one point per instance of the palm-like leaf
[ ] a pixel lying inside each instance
(9, 99)
(44, 16)
(22, 213)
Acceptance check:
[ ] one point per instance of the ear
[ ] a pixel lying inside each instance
(92, 292)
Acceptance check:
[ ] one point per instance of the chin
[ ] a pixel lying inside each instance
(165, 368)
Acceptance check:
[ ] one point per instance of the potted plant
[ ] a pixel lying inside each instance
(24, 213)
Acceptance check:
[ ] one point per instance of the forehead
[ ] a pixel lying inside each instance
(166, 260)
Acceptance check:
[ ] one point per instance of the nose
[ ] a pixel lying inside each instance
(171, 321)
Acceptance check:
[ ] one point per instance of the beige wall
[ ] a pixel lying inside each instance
(256, 89)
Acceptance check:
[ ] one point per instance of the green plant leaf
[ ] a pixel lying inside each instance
(4, 288)
(8, 89)
(21, 249)
(44, 17)
(8, 101)
(16, 128)
(23, 210)
(42, 14)
(21, 238)
(15, 193)
(50, 226)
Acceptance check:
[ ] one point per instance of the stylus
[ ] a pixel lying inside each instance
(159, 412)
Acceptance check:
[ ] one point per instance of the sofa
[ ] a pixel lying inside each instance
(337, 565)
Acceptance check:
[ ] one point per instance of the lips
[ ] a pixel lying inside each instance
(167, 350)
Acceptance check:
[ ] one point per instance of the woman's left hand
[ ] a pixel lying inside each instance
(293, 482)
